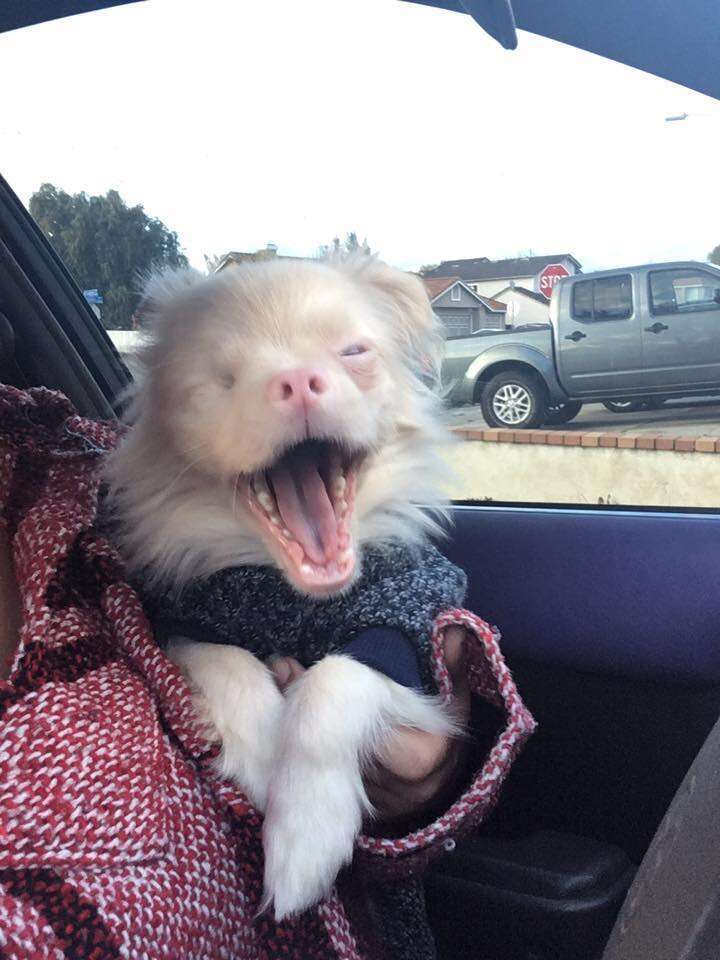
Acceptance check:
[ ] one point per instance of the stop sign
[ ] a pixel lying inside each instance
(550, 276)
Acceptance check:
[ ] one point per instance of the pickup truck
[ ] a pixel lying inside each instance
(627, 338)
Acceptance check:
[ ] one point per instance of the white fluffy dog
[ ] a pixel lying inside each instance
(280, 419)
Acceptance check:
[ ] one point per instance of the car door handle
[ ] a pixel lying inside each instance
(657, 327)
(577, 335)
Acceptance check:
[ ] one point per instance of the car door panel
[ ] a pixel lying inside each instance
(613, 644)
(609, 626)
(632, 594)
(598, 344)
(681, 335)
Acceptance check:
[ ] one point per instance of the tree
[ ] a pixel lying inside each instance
(212, 261)
(106, 245)
(353, 245)
(350, 245)
(714, 255)
(427, 268)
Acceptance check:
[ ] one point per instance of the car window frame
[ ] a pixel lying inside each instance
(705, 308)
(593, 281)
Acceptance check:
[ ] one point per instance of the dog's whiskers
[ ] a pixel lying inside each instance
(187, 467)
(234, 499)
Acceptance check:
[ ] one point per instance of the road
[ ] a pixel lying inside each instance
(678, 418)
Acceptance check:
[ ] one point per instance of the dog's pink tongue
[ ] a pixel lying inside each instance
(306, 509)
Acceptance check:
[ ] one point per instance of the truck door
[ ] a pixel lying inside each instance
(597, 336)
(681, 328)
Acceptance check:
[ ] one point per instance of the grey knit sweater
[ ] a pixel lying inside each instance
(401, 587)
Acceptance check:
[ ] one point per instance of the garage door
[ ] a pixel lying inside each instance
(457, 323)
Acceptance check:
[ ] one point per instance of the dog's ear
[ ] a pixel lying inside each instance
(403, 300)
(162, 290)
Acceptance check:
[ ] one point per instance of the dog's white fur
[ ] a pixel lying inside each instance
(240, 704)
(200, 419)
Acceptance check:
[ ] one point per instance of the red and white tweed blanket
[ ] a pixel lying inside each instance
(116, 838)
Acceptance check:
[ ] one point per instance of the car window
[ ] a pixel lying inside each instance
(683, 291)
(170, 133)
(607, 298)
(612, 298)
(582, 300)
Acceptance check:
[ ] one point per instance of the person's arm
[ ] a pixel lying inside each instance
(430, 790)
(421, 767)
(423, 771)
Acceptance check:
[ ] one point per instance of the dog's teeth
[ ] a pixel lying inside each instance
(338, 485)
(306, 569)
(262, 492)
(260, 483)
(345, 557)
(275, 519)
(286, 533)
(341, 506)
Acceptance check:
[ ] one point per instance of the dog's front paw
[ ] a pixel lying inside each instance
(317, 797)
(338, 715)
(308, 835)
(239, 703)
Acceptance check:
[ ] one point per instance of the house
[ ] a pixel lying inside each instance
(523, 305)
(488, 277)
(236, 256)
(460, 310)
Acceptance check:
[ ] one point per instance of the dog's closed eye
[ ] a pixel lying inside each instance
(360, 361)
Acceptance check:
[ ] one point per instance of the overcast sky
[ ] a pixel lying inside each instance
(241, 123)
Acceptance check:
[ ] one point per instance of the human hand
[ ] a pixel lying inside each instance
(418, 767)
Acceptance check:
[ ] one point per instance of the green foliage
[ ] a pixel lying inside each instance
(345, 248)
(106, 245)
(714, 255)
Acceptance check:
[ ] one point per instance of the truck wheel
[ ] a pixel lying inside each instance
(623, 406)
(557, 413)
(513, 399)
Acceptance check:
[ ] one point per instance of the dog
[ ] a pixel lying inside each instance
(282, 420)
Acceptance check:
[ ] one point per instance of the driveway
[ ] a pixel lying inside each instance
(678, 418)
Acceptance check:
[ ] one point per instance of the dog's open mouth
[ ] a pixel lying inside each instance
(305, 502)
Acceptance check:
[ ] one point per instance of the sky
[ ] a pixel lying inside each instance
(244, 123)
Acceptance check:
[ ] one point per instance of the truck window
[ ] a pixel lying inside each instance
(582, 300)
(683, 291)
(607, 298)
(612, 299)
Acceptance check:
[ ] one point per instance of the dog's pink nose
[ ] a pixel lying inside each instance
(293, 389)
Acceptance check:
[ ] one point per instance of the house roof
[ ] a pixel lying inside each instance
(540, 297)
(495, 305)
(436, 286)
(480, 268)
(239, 256)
